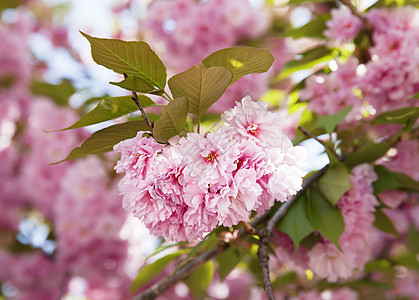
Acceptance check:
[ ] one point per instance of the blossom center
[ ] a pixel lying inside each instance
(253, 129)
(211, 157)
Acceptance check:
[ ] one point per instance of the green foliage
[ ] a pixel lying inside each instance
(202, 86)
(103, 140)
(229, 259)
(6, 4)
(313, 28)
(334, 183)
(199, 280)
(384, 223)
(135, 84)
(400, 116)
(172, 121)
(130, 58)
(296, 223)
(284, 279)
(325, 217)
(240, 60)
(110, 108)
(151, 270)
(60, 93)
(307, 60)
(388, 180)
(368, 153)
(331, 121)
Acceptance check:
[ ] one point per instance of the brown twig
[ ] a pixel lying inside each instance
(137, 102)
(312, 136)
(266, 237)
(143, 114)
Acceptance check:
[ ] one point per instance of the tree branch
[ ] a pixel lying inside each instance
(143, 114)
(266, 237)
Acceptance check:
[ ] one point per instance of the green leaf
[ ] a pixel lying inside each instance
(406, 182)
(368, 153)
(313, 28)
(385, 181)
(384, 223)
(172, 121)
(6, 4)
(330, 122)
(110, 108)
(308, 60)
(135, 84)
(413, 241)
(150, 271)
(229, 259)
(325, 217)
(296, 223)
(241, 60)
(379, 265)
(60, 93)
(284, 279)
(334, 183)
(130, 58)
(400, 116)
(202, 86)
(199, 280)
(388, 180)
(103, 140)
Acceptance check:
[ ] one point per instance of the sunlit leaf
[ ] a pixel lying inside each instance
(324, 217)
(202, 86)
(130, 58)
(151, 270)
(103, 140)
(241, 60)
(110, 108)
(296, 223)
(200, 279)
(334, 183)
(173, 120)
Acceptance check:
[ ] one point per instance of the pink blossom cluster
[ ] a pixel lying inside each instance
(190, 30)
(186, 31)
(330, 93)
(34, 276)
(184, 190)
(325, 259)
(89, 244)
(335, 294)
(357, 206)
(386, 82)
(343, 26)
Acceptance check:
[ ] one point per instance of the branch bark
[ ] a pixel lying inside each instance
(270, 225)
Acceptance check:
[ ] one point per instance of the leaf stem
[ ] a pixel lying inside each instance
(143, 114)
